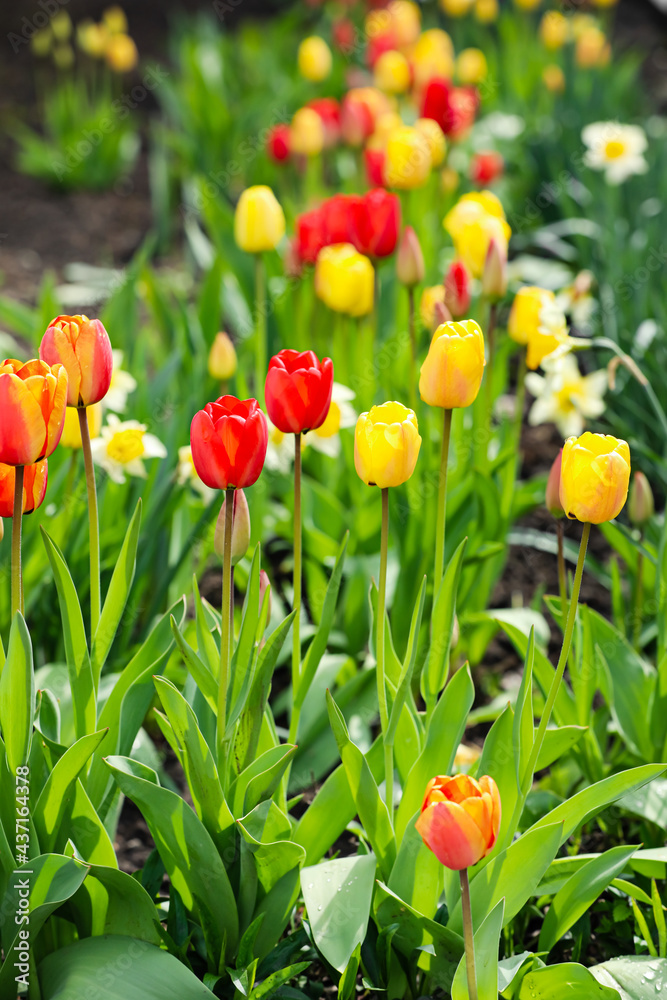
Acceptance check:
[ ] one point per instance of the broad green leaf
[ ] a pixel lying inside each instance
(523, 732)
(565, 712)
(17, 695)
(580, 892)
(207, 648)
(371, 808)
(405, 680)
(557, 742)
(564, 982)
(510, 968)
(117, 595)
(204, 679)
(60, 789)
(347, 985)
(125, 968)
(634, 977)
(272, 983)
(118, 904)
(338, 895)
(272, 860)
(444, 733)
(436, 669)
(417, 875)
(497, 760)
(487, 941)
(649, 802)
(82, 682)
(83, 827)
(189, 856)
(242, 659)
(268, 767)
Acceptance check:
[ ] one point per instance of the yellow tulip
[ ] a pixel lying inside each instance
(527, 4)
(452, 371)
(472, 241)
(92, 38)
(222, 361)
(537, 322)
(345, 280)
(486, 11)
(554, 29)
(432, 55)
(259, 221)
(392, 72)
(553, 78)
(435, 138)
(386, 445)
(72, 431)
(406, 21)
(408, 162)
(592, 49)
(314, 59)
(471, 66)
(456, 8)
(595, 475)
(114, 20)
(121, 54)
(306, 133)
(430, 298)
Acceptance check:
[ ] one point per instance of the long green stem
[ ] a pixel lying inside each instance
(260, 327)
(382, 688)
(93, 524)
(468, 936)
(639, 599)
(413, 348)
(442, 503)
(225, 624)
(296, 604)
(562, 577)
(491, 341)
(17, 573)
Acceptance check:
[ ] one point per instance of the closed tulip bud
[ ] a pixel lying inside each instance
(441, 314)
(554, 30)
(375, 158)
(456, 8)
(405, 21)
(314, 59)
(328, 109)
(298, 391)
(595, 476)
(121, 53)
(409, 259)
(457, 289)
(35, 478)
(240, 528)
(82, 345)
(460, 819)
(343, 33)
(229, 439)
(71, 437)
(552, 494)
(641, 505)
(527, 4)
(264, 586)
(432, 296)
(306, 133)
(485, 168)
(553, 78)
(356, 119)
(592, 49)
(278, 143)
(33, 397)
(386, 445)
(453, 368)
(494, 277)
(408, 163)
(486, 11)
(392, 72)
(432, 56)
(259, 221)
(471, 66)
(222, 361)
(345, 280)
(435, 138)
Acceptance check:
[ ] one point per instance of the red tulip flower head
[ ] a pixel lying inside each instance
(34, 487)
(460, 819)
(82, 345)
(33, 398)
(229, 439)
(485, 168)
(457, 289)
(298, 391)
(278, 143)
(377, 223)
(310, 235)
(328, 109)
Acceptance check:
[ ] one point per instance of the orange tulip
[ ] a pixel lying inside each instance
(460, 819)
(33, 397)
(34, 487)
(82, 345)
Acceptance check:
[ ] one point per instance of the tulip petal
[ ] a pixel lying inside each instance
(22, 428)
(452, 835)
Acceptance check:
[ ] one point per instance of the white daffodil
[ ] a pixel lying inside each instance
(122, 384)
(187, 475)
(280, 449)
(341, 415)
(122, 447)
(617, 149)
(564, 396)
(576, 300)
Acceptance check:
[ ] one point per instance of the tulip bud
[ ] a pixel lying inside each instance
(82, 345)
(441, 314)
(409, 259)
(408, 162)
(264, 585)
(222, 361)
(314, 59)
(494, 276)
(345, 280)
(307, 133)
(552, 495)
(278, 143)
(240, 528)
(641, 505)
(457, 289)
(486, 167)
(259, 221)
(392, 72)
(435, 138)
(486, 11)
(471, 66)
(35, 478)
(553, 78)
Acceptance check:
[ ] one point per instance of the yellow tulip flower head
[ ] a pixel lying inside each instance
(345, 279)
(432, 55)
(408, 162)
(486, 11)
(386, 445)
(452, 371)
(537, 322)
(391, 72)
(475, 220)
(259, 221)
(595, 476)
(306, 132)
(456, 8)
(314, 59)
(471, 66)
(435, 138)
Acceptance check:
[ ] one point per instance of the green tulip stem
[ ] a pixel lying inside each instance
(17, 574)
(442, 504)
(491, 341)
(260, 327)
(413, 347)
(382, 689)
(225, 623)
(468, 937)
(639, 596)
(296, 602)
(93, 524)
(562, 577)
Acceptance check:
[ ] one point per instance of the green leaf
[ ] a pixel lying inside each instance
(436, 669)
(203, 677)
(417, 875)
(272, 983)
(635, 977)
(264, 773)
(523, 732)
(188, 853)
(338, 896)
(207, 647)
(371, 808)
(557, 741)
(118, 904)
(580, 892)
(565, 711)
(564, 982)
(17, 695)
(487, 941)
(242, 659)
(140, 971)
(497, 760)
(117, 594)
(347, 984)
(444, 733)
(81, 678)
(408, 666)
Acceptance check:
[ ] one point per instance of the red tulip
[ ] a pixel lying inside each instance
(310, 235)
(229, 439)
(343, 35)
(328, 109)
(339, 214)
(82, 345)
(457, 289)
(376, 223)
(374, 160)
(486, 168)
(378, 45)
(356, 120)
(33, 397)
(298, 391)
(460, 819)
(453, 108)
(34, 487)
(277, 143)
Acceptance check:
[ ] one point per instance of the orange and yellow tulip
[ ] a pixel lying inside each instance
(460, 819)
(82, 345)
(34, 487)
(33, 397)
